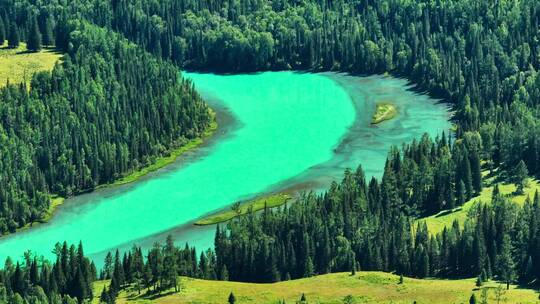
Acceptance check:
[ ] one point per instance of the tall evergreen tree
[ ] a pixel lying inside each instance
(2, 31)
(13, 36)
(33, 42)
(520, 176)
(47, 32)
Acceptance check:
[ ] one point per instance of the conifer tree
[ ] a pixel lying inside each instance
(476, 172)
(47, 32)
(231, 299)
(33, 42)
(13, 36)
(506, 266)
(2, 30)
(478, 281)
(472, 299)
(520, 176)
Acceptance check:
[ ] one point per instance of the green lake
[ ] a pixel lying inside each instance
(278, 131)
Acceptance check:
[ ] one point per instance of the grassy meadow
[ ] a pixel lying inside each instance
(437, 222)
(364, 287)
(18, 65)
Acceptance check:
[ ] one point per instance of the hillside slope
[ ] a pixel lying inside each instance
(364, 287)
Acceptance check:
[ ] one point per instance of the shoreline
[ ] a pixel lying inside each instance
(267, 201)
(160, 162)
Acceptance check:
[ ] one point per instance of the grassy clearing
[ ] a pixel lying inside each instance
(384, 111)
(437, 222)
(18, 65)
(270, 201)
(166, 160)
(364, 287)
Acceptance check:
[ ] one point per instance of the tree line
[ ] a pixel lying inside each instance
(106, 110)
(481, 57)
(34, 280)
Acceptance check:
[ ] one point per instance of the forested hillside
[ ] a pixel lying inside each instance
(109, 108)
(482, 57)
(68, 280)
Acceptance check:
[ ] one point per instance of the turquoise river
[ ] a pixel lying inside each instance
(277, 131)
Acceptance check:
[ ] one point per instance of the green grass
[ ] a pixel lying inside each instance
(364, 287)
(270, 201)
(18, 65)
(384, 111)
(166, 160)
(437, 222)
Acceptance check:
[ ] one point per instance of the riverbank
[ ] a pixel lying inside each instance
(166, 160)
(270, 201)
(160, 162)
(383, 111)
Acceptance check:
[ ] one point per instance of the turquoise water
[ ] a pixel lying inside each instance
(278, 131)
(285, 123)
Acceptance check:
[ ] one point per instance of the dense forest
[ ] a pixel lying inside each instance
(355, 225)
(107, 109)
(66, 281)
(480, 56)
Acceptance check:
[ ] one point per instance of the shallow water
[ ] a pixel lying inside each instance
(278, 130)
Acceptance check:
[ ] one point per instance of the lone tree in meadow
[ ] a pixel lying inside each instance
(232, 299)
(33, 42)
(520, 176)
(13, 37)
(472, 299)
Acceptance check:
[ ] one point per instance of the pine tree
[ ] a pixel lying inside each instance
(520, 176)
(478, 281)
(33, 42)
(47, 32)
(224, 273)
(104, 297)
(472, 299)
(80, 286)
(505, 262)
(13, 37)
(2, 31)
(231, 299)
(309, 268)
(476, 172)
(461, 193)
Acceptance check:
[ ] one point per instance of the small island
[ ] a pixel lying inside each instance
(384, 111)
(269, 201)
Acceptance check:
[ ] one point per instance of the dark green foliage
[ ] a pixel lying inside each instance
(2, 31)
(520, 176)
(70, 277)
(384, 239)
(47, 31)
(33, 42)
(472, 299)
(481, 58)
(59, 144)
(231, 299)
(13, 36)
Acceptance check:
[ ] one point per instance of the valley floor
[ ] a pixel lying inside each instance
(364, 287)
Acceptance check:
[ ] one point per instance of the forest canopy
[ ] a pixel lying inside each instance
(111, 107)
